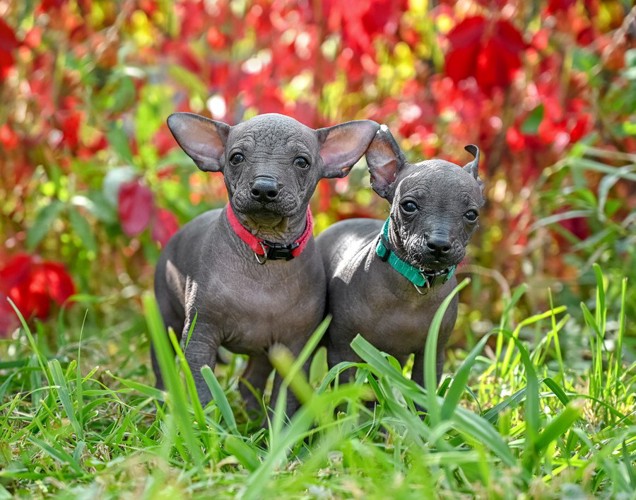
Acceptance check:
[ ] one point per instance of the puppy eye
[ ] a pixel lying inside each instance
(301, 162)
(237, 158)
(409, 207)
(471, 215)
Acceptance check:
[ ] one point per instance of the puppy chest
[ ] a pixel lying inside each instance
(252, 315)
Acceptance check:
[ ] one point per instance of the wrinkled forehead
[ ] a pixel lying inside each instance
(271, 132)
(439, 177)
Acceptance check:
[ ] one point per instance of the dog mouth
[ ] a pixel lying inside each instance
(272, 221)
(437, 265)
(426, 260)
(266, 212)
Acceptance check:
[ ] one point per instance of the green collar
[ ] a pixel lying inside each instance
(420, 278)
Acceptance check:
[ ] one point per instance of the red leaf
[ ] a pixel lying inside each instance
(15, 271)
(165, 224)
(70, 124)
(215, 38)
(135, 208)
(8, 43)
(8, 138)
(559, 5)
(32, 285)
(48, 5)
(515, 139)
(488, 51)
(57, 282)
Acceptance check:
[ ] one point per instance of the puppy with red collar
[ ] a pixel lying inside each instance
(250, 272)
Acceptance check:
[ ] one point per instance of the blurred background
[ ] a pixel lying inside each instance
(92, 183)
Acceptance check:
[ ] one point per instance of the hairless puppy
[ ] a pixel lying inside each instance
(250, 272)
(387, 279)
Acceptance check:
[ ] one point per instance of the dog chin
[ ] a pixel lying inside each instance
(430, 263)
(266, 211)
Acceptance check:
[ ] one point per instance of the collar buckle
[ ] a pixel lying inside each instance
(437, 277)
(423, 290)
(277, 251)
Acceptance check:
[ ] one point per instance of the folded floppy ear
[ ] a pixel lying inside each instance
(341, 146)
(385, 160)
(202, 139)
(473, 166)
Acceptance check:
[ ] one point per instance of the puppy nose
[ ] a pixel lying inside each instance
(438, 245)
(264, 189)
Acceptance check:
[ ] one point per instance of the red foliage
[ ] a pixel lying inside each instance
(137, 211)
(48, 5)
(135, 207)
(8, 138)
(164, 225)
(33, 285)
(489, 51)
(8, 43)
(578, 226)
(321, 62)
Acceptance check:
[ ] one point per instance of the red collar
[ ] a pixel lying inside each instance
(266, 249)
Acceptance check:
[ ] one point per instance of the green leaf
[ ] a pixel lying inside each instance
(83, 229)
(120, 143)
(531, 124)
(43, 222)
(119, 93)
(189, 80)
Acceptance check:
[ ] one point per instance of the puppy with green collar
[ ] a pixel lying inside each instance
(387, 278)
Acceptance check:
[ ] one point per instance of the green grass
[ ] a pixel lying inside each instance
(509, 419)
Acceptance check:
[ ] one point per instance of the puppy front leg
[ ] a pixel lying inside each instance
(417, 375)
(201, 350)
(255, 379)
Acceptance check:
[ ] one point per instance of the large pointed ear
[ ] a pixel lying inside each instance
(473, 166)
(385, 160)
(202, 139)
(341, 146)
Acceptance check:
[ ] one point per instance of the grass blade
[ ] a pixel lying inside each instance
(481, 431)
(243, 452)
(65, 396)
(430, 354)
(220, 400)
(176, 399)
(556, 389)
(558, 426)
(146, 390)
(58, 454)
(458, 386)
(192, 389)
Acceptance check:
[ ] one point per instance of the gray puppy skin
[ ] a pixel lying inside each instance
(434, 212)
(271, 165)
